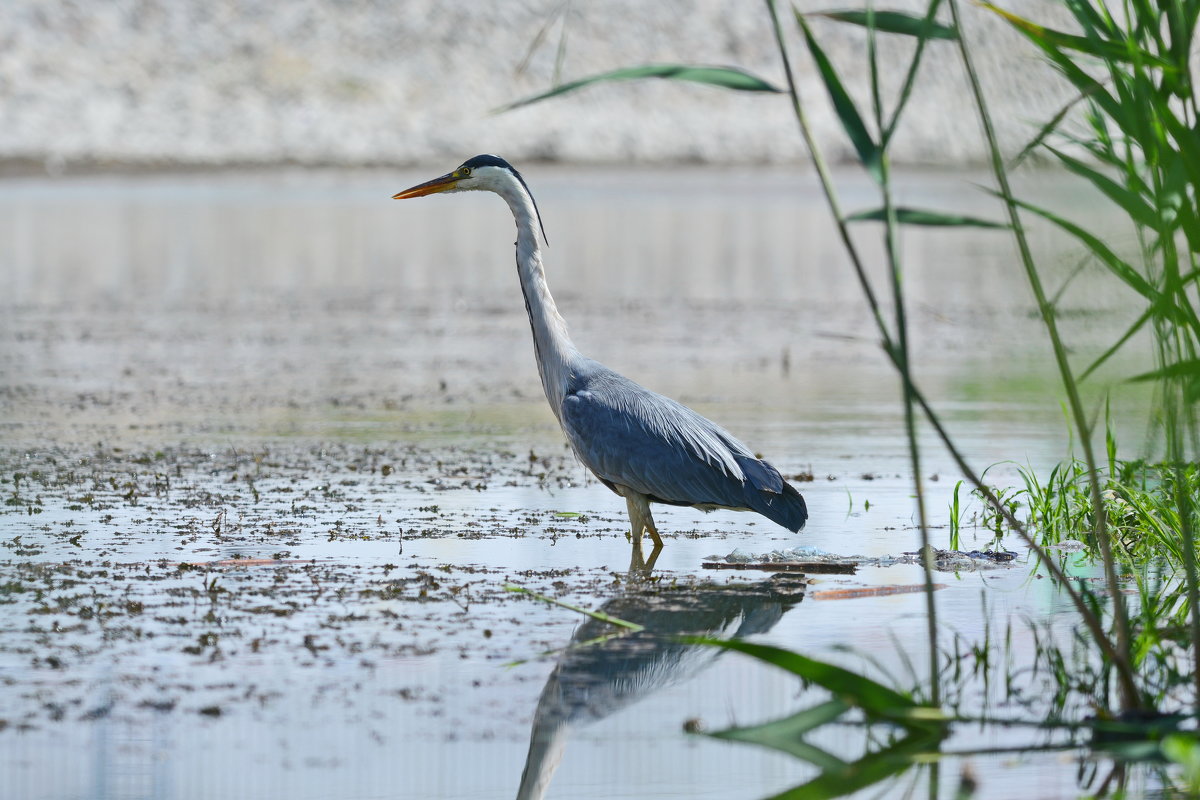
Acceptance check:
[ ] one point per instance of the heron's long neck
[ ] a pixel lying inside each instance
(554, 348)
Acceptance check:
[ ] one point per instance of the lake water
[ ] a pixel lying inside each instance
(291, 371)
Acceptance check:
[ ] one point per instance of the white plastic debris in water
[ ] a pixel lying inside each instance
(803, 553)
(807, 551)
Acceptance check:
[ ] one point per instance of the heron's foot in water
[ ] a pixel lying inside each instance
(654, 537)
(640, 518)
(639, 565)
(635, 536)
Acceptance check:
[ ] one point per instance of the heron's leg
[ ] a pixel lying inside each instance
(653, 531)
(635, 520)
(640, 518)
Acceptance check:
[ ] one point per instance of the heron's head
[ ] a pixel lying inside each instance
(485, 173)
(481, 173)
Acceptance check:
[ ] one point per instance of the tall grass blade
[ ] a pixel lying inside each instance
(894, 22)
(1187, 143)
(1110, 438)
(955, 517)
(1082, 80)
(724, 77)
(539, 37)
(869, 152)
(920, 216)
(787, 734)
(873, 768)
(873, 698)
(1116, 265)
(560, 54)
(910, 76)
(596, 615)
(1092, 20)
(1126, 52)
(904, 366)
(1045, 131)
(1186, 372)
(1130, 202)
(1180, 369)
(1125, 337)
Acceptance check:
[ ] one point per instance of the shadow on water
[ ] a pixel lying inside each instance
(601, 673)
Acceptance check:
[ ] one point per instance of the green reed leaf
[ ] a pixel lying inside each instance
(1045, 131)
(724, 77)
(597, 615)
(1103, 252)
(1133, 204)
(856, 690)
(1125, 337)
(1124, 52)
(1189, 369)
(787, 734)
(919, 216)
(870, 770)
(893, 22)
(869, 152)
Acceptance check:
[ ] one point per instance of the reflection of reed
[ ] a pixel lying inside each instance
(592, 681)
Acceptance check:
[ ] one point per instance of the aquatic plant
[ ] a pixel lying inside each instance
(1132, 72)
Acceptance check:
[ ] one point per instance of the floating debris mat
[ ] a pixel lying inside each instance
(869, 591)
(813, 567)
(816, 561)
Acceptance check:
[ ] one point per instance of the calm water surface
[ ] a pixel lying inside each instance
(201, 368)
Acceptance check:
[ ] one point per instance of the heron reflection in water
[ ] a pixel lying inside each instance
(592, 681)
(645, 447)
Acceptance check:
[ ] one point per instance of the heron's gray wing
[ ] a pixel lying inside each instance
(628, 435)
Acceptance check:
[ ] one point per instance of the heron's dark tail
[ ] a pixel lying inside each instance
(786, 508)
(773, 497)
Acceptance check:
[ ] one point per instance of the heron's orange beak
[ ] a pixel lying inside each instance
(442, 184)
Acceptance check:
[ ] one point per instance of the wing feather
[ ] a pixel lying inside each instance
(628, 435)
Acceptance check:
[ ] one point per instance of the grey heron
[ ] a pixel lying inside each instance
(645, 447)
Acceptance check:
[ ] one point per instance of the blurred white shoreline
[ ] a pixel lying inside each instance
(136, 84)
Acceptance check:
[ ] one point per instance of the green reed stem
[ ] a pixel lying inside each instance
(902, 357)
(910, 77)
(1172, 349)
(888, 343)
(1174, 346)
(1130, 697)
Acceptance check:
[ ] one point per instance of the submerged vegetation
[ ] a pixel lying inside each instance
(1127, 683)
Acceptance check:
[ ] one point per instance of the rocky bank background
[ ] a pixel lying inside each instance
(170, 83)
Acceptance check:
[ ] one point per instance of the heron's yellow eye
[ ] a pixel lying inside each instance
(464, 171)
